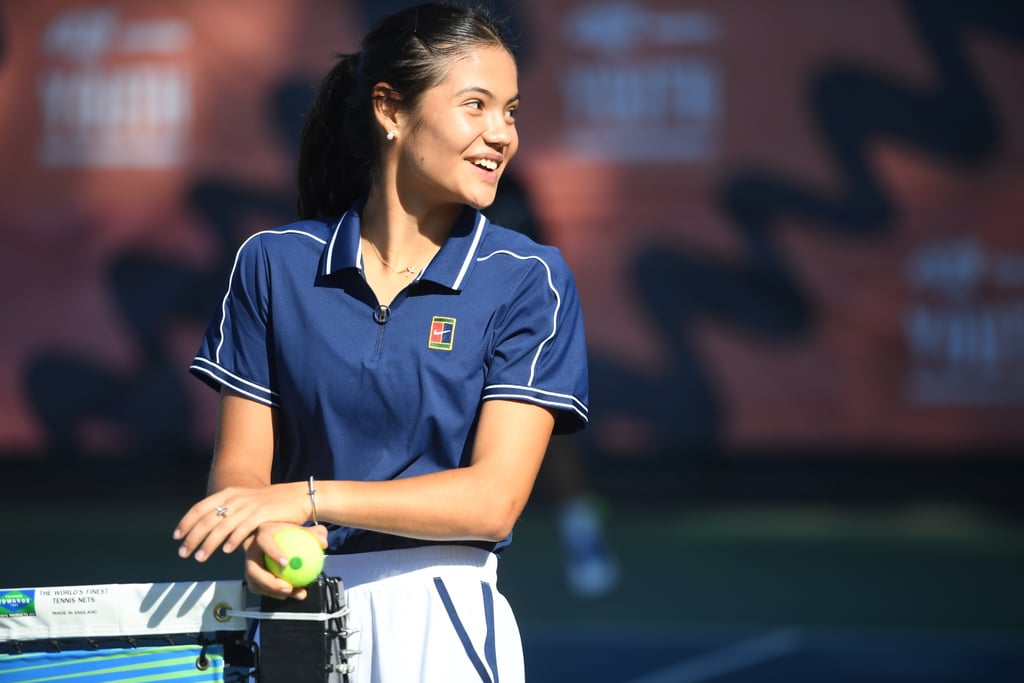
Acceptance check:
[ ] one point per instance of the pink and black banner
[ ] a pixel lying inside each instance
(793, 225)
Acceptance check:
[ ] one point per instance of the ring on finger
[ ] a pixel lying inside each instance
(222, 511)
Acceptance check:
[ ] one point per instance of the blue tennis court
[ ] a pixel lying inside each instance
(781, 594)
(776, 656)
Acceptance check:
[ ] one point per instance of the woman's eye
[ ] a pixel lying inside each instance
(476, 104)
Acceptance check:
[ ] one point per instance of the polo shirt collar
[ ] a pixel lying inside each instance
(449, 267)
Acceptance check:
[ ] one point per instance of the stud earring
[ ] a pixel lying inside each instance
(391, 134)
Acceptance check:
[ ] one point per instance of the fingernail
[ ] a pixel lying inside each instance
(176, 535)
(182, 551)
(200, 556)
(283, 561)
(228, 547)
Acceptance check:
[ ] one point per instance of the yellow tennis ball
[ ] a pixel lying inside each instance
(305, 557)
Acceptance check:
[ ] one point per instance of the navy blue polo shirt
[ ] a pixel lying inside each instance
(370, 393)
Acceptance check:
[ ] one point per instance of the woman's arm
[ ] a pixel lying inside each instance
(244, 449)
(478, 502)
(239, 483)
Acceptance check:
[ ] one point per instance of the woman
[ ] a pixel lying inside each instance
(410, 356)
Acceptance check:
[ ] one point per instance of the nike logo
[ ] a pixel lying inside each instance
(442, 332)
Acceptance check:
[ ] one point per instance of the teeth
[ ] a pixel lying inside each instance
(489, 164)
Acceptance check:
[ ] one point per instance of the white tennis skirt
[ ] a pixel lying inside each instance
(428, 614)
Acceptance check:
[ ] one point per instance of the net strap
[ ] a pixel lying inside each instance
(286, 616)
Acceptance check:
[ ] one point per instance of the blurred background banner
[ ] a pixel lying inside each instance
(795, 226)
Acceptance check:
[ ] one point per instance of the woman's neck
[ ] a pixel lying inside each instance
(404, 233)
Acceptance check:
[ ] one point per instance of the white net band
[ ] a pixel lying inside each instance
(121, 610)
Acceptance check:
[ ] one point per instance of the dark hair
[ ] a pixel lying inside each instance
(409, 50)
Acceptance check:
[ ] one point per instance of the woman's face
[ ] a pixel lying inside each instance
(457, 143)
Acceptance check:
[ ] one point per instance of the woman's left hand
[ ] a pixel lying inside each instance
(226, 518)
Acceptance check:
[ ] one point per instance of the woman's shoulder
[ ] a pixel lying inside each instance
(298, 235)
(512, 256)
(499, 238)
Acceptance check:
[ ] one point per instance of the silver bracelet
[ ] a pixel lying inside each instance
(312, 499)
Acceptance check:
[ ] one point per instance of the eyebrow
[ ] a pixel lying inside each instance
(485, 92)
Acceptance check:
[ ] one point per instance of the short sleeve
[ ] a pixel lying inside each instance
(235, 351)
(539, 353)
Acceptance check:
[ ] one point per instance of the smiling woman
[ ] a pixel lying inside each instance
(450, 147)
(393, 365)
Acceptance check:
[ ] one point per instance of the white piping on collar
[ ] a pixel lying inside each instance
(478, 233)
(330, 247)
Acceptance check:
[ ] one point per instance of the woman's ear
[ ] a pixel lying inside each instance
(385, 107)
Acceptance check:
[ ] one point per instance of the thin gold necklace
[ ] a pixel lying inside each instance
(408, 270)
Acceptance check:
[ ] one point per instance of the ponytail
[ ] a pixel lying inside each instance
(337, 147)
